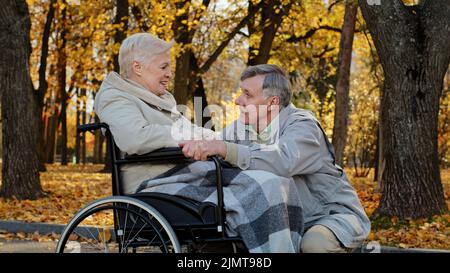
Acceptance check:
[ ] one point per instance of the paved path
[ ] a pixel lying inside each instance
(49, 247)
(17, 246)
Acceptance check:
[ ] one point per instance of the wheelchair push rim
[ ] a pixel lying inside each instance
(119, 232)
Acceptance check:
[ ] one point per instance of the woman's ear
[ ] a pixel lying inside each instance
(137, 68)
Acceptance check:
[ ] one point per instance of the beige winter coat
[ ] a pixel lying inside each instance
(141, 122)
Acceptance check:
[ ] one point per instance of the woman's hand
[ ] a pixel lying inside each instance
(201, 149)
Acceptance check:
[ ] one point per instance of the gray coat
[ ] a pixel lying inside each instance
(297, 147)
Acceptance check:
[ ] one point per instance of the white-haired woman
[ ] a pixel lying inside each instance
(139, 111)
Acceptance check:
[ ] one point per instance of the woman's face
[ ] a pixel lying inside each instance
(155, 74)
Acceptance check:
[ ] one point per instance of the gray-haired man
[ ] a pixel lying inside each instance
(275, 136)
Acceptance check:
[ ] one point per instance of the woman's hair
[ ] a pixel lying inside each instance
(275, 83)
(140, 47)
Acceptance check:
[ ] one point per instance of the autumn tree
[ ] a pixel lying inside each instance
(62, 72)
(193, 61)
(444, 125)
(121, 21)
(20, 175)
(41, 90)
(413, 45)
(343, 85)
(262, 32)
(308, 50)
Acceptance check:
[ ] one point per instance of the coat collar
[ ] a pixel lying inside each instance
(165, 102)
(287, 115)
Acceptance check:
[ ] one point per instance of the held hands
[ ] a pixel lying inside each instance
(201, 149)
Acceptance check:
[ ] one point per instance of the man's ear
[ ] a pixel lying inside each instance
(275, 100)
(137, 68)
(274, 103)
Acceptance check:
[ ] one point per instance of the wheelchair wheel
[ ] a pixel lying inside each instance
(118, 224)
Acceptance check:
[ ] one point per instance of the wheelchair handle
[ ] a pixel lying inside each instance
(91, 127)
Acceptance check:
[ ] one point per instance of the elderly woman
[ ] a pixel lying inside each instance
(140, 113)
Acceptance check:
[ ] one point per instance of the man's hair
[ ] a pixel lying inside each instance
(140, 47)
(276, 83)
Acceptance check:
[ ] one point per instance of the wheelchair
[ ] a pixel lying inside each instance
(149, 222)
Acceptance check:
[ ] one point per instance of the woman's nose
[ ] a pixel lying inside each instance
(238, 100)
(169, 74)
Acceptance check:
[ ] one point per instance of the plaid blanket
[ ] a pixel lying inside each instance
(264, 209)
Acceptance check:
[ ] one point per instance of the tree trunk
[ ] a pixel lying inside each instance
(413, 44)
(83, 119)
(98, 145)
(182, 73)
(77, 123)
(204, 116)
(377, 156)
(270, 20)
(122, 19)
(252, 30)
(43, 86)
(188, 71)
(20, 174)
(50, 136)
(182, 67)
(62, 61)
(138, 18)
(342, 85)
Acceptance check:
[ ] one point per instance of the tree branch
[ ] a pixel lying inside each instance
(243, 34)
(224, 43)
(137, 13)
(324, 51)
(311, 32)
(198, 14)
(333, 4)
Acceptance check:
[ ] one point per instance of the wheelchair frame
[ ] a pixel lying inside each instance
(164, 155)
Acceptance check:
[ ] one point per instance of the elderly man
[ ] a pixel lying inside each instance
(275, 136)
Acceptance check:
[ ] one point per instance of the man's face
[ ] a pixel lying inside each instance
(252, 104)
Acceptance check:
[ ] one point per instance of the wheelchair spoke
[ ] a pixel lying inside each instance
(87, 239)
(125, 228)
(134, 224)
(136, 234)
(93, 228)
(93, 236)
(104, 238)
(154, 237)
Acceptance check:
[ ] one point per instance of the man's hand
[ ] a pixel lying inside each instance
(201, 149)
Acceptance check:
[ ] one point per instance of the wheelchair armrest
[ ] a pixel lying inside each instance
(172, 154)
(91, 127)
(175, 155)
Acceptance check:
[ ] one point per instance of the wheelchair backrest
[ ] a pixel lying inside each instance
(114, 153)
